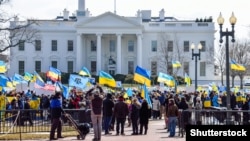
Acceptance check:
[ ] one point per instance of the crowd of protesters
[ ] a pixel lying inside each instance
(110, 111)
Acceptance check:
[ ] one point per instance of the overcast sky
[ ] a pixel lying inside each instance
(181, 9)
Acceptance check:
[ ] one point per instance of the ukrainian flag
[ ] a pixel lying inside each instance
(2, 67)
(176, 64)
(54, 74)
(142, 76)
(28, 76)
(145, 95)
(167, 79)
(38, 80)
(84, 72)
(105, 78)
(187, 79)
(237, 66)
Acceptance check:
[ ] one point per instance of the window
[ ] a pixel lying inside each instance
(131, 45)
(203, 44)
(70, 67)
(170, 68)
(21, 67)
(202, 68)
(153, 68)
(186, 46)
(185, 68)
(112, 45)
(54, 64)
(70, 45)
(21, 45)
(93, 45)
(38, 66)
(38, 45)
(130, 67)
(154, 46)
(170, 46)
(93, 66)
(54, 45)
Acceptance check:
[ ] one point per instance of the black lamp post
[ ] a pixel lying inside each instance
(227, 33)
(196, 55)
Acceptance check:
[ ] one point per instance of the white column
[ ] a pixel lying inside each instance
(98, 55)
(119, 55)
(79, 52)
(139, 49)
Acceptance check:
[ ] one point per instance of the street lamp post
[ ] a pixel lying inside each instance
(227, 33)
(196, 55)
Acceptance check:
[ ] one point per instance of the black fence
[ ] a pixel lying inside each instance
(26, 121)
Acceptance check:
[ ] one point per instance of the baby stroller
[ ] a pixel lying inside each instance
(82, 128)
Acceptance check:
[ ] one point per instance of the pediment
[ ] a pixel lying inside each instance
(108, 19)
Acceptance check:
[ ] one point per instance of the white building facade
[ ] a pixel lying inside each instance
(117, 44)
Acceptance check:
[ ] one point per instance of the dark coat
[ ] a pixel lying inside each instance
(108, 106)
(121, 110)
(145, 113)
(56, 107)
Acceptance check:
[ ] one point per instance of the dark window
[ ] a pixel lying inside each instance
(170, 68)
(170, 46)
(202, 68)
(21, 45)
(54, 64)
(112, 45)
(38, 66)
(186, 68)
(38, 45)
(54, 45)
(93, 45)
(93, 66)
(186, 46)
(131, 45)
(154, 68)
(21, 67)
(70, 67)
(131, 67)
(70, 45)
(154, 46)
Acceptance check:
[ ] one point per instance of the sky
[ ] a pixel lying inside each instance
(180, 9)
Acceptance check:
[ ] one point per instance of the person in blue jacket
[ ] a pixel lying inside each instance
(56, 113)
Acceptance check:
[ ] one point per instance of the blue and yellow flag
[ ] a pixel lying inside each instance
(38, 80)
(28, 76)
(236, 66)
(176, 64)
(3, 68)
(54, 74)
(105, 78)
(142, 76)
(84, 72)
(145, 95)
(167, 79)
(187, 80)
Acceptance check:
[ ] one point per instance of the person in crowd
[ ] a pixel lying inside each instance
(56, 113)
(185, 115)
(120, 112)
(198, 108)
(162, 104)
(96, 111)
(108, 106)
(26, 116)
(44, 106)
(144, 116)
(156, 105)
(172, 115)
(135, 109)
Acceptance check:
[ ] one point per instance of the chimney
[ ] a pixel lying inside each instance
(65, 14)
(162, 15)
(81, 5)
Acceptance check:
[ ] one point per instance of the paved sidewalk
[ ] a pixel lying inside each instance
(155, 133)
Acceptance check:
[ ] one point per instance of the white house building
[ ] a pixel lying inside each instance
(117, 44)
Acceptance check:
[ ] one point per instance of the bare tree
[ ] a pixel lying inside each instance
(239, 52)
(169, 52)
(220, 60)
(14, 32)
